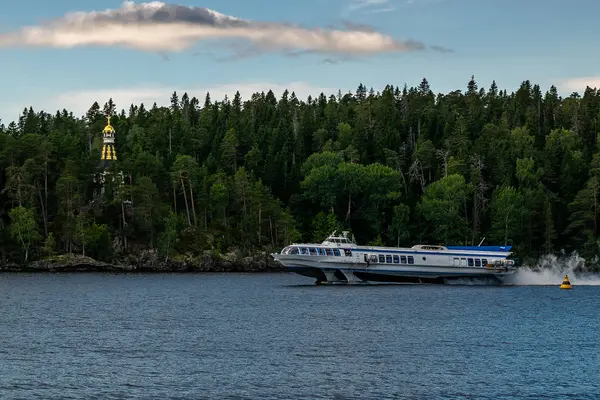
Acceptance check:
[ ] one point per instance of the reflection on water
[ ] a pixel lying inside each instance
(274, 336)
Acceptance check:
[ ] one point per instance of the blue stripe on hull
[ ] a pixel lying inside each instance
(480, 248)
(429, 252)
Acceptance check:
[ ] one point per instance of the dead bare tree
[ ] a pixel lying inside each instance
(480, 188)
(444, 155)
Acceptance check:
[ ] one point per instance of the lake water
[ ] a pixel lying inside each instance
(278, 336)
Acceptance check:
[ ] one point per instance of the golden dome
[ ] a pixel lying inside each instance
(108, 129)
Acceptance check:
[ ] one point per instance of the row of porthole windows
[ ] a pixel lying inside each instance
(389, 259)
(316, 251)
(471, 262)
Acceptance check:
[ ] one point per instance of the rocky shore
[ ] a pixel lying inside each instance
(149, 261)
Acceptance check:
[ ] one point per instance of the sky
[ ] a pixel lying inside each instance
(69, 53)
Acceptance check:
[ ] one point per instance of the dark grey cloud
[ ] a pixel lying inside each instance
(161, 27)
(441, 49)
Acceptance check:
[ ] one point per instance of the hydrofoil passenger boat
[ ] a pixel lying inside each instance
(339, 259)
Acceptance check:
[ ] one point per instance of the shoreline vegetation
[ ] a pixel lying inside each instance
(149, 261)
(218, 185)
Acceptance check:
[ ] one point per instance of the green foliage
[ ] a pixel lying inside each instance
(98, 241)
(507, 215)
(49, 245)
(400, 221)
(324, 225)
(397, 167)
(443, 207)
(23, 228)
(169, 238)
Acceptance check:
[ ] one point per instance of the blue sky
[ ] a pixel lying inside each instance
(546, 41)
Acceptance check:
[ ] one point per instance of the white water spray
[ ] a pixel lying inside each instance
(550, 270)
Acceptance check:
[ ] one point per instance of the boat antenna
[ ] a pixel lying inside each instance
(481, 242)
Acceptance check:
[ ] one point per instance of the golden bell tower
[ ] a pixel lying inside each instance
(108, 145)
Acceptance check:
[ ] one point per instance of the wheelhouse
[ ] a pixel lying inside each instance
(333, 246)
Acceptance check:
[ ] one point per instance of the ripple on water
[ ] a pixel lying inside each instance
(272, 337)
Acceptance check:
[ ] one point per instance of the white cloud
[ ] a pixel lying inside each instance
(421, 2)
(358, 4)
(156, 26)
(80, 101)
(579, 84)
(371, 6)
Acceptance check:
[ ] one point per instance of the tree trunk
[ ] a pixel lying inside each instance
(187, 209)
(124, 223)
(349, 207)
(19, 193)
(475, 229)
(595, 212)
(193, 206)
(505, 229)
(25, 246)
(403, 181)
(259, 222)
(44, 216)
(174, 199)
(271, 230)
(466, 222)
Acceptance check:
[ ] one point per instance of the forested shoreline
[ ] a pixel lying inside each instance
(219, 183)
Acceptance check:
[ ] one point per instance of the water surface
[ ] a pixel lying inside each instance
(277, 336)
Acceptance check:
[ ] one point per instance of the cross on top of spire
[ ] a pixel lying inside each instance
(108, 129)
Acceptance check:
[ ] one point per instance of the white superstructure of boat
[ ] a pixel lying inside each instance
(339, 259)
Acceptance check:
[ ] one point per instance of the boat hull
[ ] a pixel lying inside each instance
(340, 260)
(342, 272)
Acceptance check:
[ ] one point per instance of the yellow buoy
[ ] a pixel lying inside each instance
(566, 284)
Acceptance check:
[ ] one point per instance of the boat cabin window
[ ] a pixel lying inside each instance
(484, 261)
(463, 262)
(322, 252)
(381, 258)
(432, 247)
(313, 251)
(293, 250)
(373, 258)
(339, 240)
(348, 252)
(396, 260)
(470, 262)
(329, 252)
(403, 259)
(336, 252)
(411, 260)
(477, 262)
(388, 259)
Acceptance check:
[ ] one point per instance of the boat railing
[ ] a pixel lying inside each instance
(428, 247)
(338, 240)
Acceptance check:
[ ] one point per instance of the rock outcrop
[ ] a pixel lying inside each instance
(149, 261)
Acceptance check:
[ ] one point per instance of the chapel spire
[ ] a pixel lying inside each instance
(108, 145)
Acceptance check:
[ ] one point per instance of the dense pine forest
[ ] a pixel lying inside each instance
(396, 167)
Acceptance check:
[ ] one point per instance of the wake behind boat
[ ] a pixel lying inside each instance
(339, 259)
